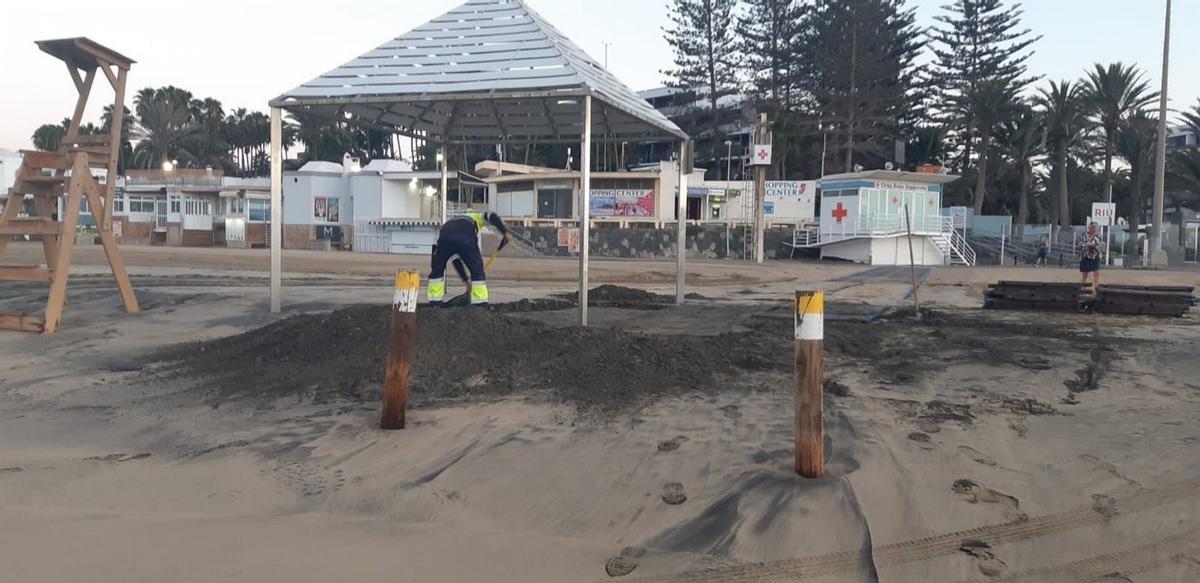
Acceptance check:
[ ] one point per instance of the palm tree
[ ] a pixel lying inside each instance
(48, 137)
(1063, 108)
(994, 101)
(1136, 144)
(1114, 93)
(1183, 177)
(164, 130)
(1026, 136)
(1191, 119)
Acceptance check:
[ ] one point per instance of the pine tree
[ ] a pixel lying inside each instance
(980, 52)
(771, 32)
(862, 76)
(702, 36)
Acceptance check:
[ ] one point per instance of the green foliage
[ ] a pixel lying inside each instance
(861, 82)
(705, 48)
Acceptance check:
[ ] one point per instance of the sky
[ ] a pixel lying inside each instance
(245, 52)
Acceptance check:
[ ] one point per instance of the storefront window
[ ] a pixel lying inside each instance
(260, 210)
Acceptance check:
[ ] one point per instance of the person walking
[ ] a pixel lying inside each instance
(460, 237)
(1090, 247)
(1043, 252)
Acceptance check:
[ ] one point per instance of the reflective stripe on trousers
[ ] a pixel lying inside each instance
(479, 292)
(437, 290)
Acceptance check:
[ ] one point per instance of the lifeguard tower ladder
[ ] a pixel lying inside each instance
(46, 177)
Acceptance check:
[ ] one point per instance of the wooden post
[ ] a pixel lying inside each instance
(400, 349)
(760, 193)
(810, 378)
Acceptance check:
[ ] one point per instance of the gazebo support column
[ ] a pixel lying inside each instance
(585, 208)
(444, 167)
(276, 210)
(681, 225)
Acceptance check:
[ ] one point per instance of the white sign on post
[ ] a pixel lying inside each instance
(761, 155)
(1104, 213)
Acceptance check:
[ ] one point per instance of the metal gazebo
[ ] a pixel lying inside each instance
(486, 72)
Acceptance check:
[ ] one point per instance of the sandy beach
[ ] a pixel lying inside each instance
(204, 440)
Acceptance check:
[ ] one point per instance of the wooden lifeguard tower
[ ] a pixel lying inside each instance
(47, 176)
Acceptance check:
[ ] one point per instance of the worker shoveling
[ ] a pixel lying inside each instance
(458, 244)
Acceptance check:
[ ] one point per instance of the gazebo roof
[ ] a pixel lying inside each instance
(488, 71)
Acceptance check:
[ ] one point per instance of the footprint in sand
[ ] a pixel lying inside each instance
(1108, 467)
(625, 563)
(671, 444)
(985, 560)
(1104, 505)
(673, 494)
(974, 493)
(976, 456)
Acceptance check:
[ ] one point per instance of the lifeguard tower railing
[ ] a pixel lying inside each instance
(940, 229)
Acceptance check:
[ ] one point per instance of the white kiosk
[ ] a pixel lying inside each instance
(862, 219)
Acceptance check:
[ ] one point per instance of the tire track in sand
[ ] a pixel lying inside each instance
(925, 548)
(1134, 561)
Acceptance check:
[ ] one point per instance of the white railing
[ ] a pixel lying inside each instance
(370, 238)
(886, 226)
(954, 244)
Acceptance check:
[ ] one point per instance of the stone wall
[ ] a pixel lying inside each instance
(134, 233)
(706, 241)
(297, 236)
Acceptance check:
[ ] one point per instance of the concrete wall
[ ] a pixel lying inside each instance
(297, 236)
(856, 250)
(702, 241)
(885, 251)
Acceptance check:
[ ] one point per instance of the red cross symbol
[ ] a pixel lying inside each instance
(840, 213)
(895, 200)
(931, 202)
(762, 154)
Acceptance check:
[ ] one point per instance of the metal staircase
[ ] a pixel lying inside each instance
(954, 245)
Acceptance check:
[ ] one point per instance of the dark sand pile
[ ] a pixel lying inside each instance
(480, 354)
(620, 296)
(465, 353)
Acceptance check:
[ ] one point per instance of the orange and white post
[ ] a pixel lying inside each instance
(400, 349)
(810, 378)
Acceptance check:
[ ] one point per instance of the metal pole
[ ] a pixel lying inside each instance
(276, 209)
(681, 225)
(1001, 241)
(585, 209)
(810, 381)
(1158, 255)
(1108, 242)
(400, 349)
(912, 262)
(445, 168)
(728, 179)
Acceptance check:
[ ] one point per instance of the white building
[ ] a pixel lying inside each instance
(788, 202)
(534, 195)
(863, 219)
(383, 207)
(190, 208)
(10, 161)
